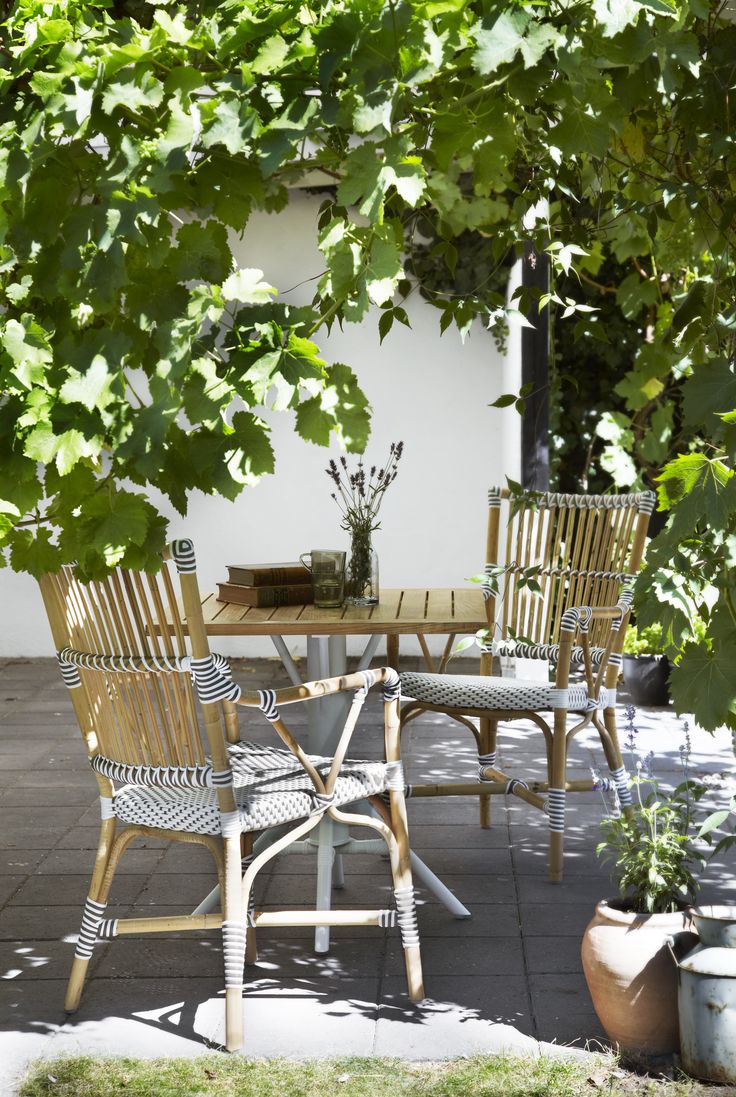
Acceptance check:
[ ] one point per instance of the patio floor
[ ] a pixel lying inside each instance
(507, 978)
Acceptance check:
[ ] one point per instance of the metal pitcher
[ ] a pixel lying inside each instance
(707, 1006)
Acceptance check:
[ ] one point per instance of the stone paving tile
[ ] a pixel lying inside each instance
(139, 862)
(52, 890)
(559, 1003)
(435, 836)
(500, 999)
(79, 796)
(25, 960)
(86, 838)
(448, 956)
(9, 885)
(16, 862)
(563, 957)
(556, 919)
(39, 923)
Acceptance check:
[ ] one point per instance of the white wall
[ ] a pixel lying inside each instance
(428, 390)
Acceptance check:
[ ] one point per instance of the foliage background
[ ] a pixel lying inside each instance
(136, 139)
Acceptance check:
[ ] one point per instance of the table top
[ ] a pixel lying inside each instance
(399, 611)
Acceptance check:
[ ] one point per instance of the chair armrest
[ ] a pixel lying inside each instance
(324, 687)
(577, 619)
(268, 702)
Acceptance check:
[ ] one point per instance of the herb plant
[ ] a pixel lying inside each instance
(650, 847)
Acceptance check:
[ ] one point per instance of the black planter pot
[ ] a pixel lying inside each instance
(646, 678)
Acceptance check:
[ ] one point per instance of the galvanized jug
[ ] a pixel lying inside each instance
(707, 1006)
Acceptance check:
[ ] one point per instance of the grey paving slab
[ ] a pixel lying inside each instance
(55, 890)
(39, 923)
(76, 796)
(448, 956)
(19, 862)
(562, 1009)
(543, 958)
(9, 886)
(554, 920)
(462, 1015)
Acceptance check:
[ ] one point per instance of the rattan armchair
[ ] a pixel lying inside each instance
(558, 575)
(139, 673)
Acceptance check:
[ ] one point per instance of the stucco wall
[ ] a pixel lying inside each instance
(431, 391)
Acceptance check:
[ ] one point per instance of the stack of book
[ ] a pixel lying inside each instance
(265, 585)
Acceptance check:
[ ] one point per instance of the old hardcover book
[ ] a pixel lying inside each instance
(268, 575)
(289, 594)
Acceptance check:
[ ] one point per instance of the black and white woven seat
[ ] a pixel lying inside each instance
(264, 799)
(465, 692)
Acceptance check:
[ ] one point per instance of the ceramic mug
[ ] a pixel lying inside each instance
(327, 567)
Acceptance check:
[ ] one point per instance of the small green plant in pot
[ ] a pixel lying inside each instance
(646, 667)
(652, 852)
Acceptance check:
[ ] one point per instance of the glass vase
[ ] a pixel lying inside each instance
(361, 579)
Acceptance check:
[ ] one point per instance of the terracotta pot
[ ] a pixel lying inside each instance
(632, 978)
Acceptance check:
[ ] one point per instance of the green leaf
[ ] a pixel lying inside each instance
(384, 268)
(342, 407)
(202, 252)
(704, 682)
(233, 125)
(112, 521)
(500, 41)
(681, 476)
(34, 553)
(581, 132)
(91, 389)
(247, 286)
(252, 456)
(709, 391)
(616, 15)
(717, 819)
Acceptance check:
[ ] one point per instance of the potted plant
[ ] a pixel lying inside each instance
(646, 667)
(651, 849)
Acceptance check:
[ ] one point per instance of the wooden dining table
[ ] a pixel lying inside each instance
(418, 611)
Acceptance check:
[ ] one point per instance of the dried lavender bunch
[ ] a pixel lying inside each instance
(359, 496)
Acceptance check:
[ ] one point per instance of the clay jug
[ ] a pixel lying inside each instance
(632, 978)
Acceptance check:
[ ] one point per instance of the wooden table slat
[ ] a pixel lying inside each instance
(439, 605)
(469, 606)
(413, 606)
(400, 611)
(387, 610)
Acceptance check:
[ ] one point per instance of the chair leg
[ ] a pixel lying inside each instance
(487, 733)
(94, 912)
(556, 796)
(615, 760)
(406, 909)
(246, 860)
(233, 943)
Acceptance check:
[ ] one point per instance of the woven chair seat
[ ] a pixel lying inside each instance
(468, 691)
(268, 798)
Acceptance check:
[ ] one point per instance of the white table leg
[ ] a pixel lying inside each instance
(422, 872)
(285, 656)
(326, 657)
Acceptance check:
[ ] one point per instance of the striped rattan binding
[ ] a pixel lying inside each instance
(143, 681)
(554, 553)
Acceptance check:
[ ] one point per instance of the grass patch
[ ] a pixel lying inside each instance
(232, 1076)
